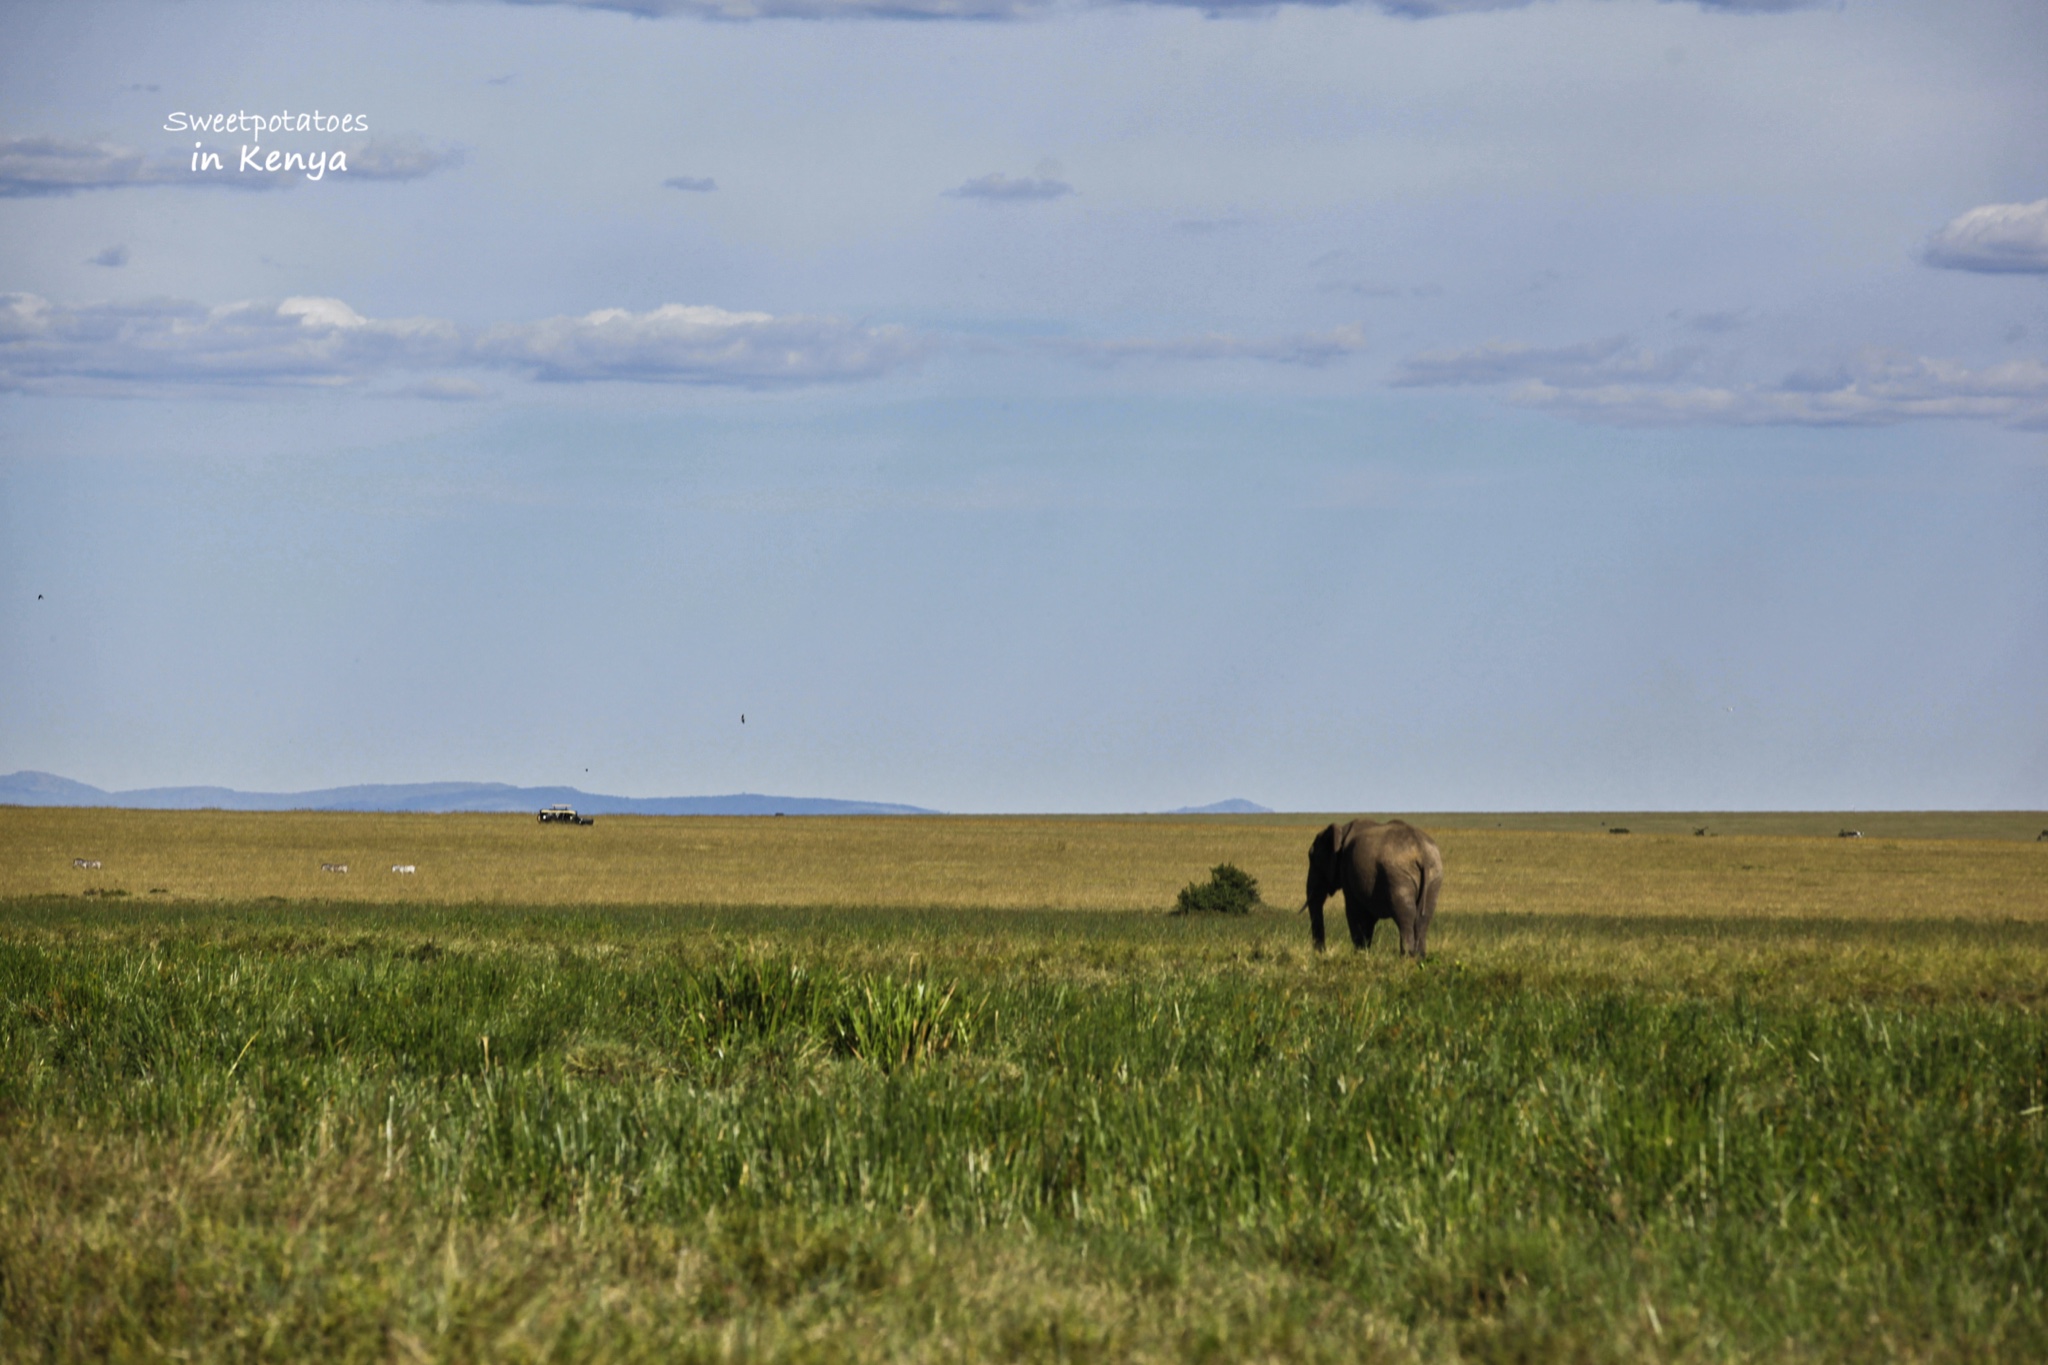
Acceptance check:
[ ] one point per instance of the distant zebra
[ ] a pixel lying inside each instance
(334, 867)
(1850, 834)
(88, 863)
(403, 867)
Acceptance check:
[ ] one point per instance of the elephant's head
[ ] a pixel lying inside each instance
(1323, 880)
(1322, 877)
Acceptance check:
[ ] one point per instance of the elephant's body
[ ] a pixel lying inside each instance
(1386, 871)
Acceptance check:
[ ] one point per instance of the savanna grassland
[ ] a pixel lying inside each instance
(957, 1089)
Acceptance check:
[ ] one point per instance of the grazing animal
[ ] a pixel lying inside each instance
(1386, 871)
(403, 867)
(1850, 834)
(85, 862)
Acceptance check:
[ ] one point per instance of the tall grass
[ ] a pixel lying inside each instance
(786, 1134)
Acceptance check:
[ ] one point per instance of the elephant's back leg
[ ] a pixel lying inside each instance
(1359, 914)
(1433, 883)
(1426, 910)
(1407, 896)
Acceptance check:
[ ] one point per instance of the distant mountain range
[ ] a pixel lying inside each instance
(47, 789)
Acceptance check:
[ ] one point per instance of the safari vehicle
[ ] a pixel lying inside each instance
(564, 815)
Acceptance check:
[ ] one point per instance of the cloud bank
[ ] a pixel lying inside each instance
(1994, 239)
(296, 342)
(1587, 363)
(1301, 348)
(161, 344)
(398, 159)
(1003, 189)
(43, 166)
(50, 165)
(687, 344)
(743, 10)
(1606, 381)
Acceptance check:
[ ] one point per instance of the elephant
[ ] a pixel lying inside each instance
(1386, 871)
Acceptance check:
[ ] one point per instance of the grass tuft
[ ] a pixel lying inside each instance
(892, 1023)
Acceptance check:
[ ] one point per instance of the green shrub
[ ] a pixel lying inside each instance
(1230, 890)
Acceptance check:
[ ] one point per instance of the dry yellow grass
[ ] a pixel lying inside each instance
(1077, 863)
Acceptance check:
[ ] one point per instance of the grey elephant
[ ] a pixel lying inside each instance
(1386, 871)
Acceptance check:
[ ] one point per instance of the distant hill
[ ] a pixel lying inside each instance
(1236, 805)
(47, 789)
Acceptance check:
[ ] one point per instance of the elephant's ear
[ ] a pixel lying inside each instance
(1326, 843)
(1338, 838)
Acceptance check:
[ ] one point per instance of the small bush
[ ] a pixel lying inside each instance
(1230, 890)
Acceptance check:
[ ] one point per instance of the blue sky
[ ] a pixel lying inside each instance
(1026, 406)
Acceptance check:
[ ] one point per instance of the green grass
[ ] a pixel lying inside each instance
(244, 1131)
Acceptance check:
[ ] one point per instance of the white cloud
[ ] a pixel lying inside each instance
(811, 9)
(1610, 381)
(397, 159)
(1022, 9)
(685, 344)
(1880, 389)
(1583, 365)
(1766, 6)
(1406, 9)
(1003, 189)
(161, 345)
(1301, 348)
(52, 165)
(44, 166)
(1994, 239)
(163, 342)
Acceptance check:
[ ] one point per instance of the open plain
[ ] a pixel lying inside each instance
(959, 1089)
